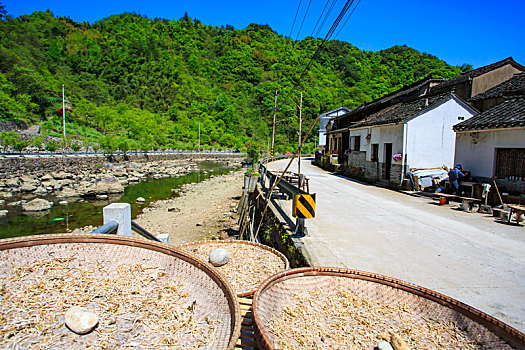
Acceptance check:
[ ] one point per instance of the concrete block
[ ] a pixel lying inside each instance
(120, 212)
(164, 238)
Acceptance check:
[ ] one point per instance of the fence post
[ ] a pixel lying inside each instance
(120, 212)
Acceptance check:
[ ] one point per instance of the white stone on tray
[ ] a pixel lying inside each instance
(219, 256)
(80, 320)
(384, 345)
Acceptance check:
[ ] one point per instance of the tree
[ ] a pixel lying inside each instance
(252, 152)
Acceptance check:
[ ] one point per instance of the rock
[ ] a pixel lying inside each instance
(80, 320)
(174, 209)
(141, 200)
(62, 202)
(61, 175)
(12, 182)
(219, 256)
(38, 204)
(46, 177)
(41, 190)
(384, 345)
(101, 196)
(2, 202)
(7, 195)
(4, 212)
(27, 187)
(105, 185)
(199, 224)
(16, 203)
(68, 192)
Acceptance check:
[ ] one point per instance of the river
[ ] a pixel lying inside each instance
(84, 212)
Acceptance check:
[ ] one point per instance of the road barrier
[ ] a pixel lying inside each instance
(117, 220)
(306, 201)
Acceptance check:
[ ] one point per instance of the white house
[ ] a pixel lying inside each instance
(492, 144)
(325, 118)
(411, 134)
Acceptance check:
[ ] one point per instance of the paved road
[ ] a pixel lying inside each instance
(467, 256)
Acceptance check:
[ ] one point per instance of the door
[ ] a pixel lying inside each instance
(388, 160)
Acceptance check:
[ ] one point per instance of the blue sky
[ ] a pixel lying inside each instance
(461, 31)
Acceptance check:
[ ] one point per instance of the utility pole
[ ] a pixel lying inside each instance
(199, 135)
(300, 139)
(64, 112)
(273, 128)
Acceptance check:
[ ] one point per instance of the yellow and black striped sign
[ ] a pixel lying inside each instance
(304, 206)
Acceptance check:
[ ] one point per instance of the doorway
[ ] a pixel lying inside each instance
(388, 161)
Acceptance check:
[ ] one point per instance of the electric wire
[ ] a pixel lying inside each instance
(350, 15)
(326, 17)
(296, 13)
(330, 32)
(320, 16)
(304, 18)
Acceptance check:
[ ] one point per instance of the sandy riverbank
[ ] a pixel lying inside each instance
(203, 211)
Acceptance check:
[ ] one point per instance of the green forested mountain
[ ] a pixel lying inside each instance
(150, 81)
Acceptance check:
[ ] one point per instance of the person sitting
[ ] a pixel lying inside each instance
(454, 176)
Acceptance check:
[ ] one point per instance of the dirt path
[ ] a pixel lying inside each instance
(203, 211)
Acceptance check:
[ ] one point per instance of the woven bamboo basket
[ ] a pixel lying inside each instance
(276, 295)
(240, 269)
(208, 293)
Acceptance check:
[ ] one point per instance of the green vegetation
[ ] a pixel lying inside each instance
(139, 83)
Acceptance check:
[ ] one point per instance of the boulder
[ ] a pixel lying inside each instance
(69, 192)
(105, 185)
(219, 256)
(46, 177)
(37, 204)
(27, 187)
(4, 212)
(80, 320)
(16, 203)
(41, 190)
(62, 175)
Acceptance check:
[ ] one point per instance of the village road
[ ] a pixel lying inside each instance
(467, 256)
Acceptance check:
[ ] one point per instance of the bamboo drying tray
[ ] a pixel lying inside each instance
(250, 263)
(166, 297)
(290, 311)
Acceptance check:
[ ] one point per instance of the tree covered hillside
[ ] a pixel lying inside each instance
(142, 82)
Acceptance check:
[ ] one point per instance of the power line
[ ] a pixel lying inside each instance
(350, 15)
(325, 17)
(296, 13)
(306, 13)
(321, 16)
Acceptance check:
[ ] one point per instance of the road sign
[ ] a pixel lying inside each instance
(304, 206)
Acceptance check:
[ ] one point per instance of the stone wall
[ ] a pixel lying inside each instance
(74, 164)
(276, 232)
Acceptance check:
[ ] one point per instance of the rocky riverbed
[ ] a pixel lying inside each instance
(98, 182)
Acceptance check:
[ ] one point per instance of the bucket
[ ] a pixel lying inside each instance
(442, 201)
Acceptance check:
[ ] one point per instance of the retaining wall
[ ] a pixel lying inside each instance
(40, 165)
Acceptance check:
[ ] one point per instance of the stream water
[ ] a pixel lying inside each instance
(80, 213)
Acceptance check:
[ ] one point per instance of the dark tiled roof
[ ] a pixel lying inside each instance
(508, 114)
(403, 110)
(408, 90)
(477, 72)
(512, 87)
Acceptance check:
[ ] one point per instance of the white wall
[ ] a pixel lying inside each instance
(430, 138)
(323, 121)
(381, 134)
(478, 153)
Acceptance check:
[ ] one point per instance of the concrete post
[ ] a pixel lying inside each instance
(120, 212)
(163, 237)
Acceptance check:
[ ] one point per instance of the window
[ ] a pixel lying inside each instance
(375, 152)
(510, 162)
(355, 143)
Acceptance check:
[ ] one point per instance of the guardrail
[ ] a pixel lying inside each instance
(117, 220)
